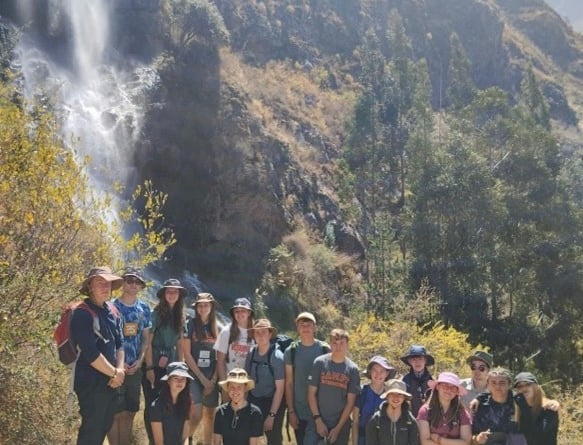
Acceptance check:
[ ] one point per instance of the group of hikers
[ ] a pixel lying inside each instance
(185, 366)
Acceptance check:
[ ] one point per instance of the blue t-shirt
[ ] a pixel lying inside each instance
(367, 402)
(260, 368)
(136, 318)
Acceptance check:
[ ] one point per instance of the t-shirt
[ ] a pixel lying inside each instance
(334, 382)
(238, 432)
(449, 430)
(472, 392)
(257, 366)
(202, 350)
(164, 342)
(172, 422)
(303, 361)
(367, 402)
(236, 351)
(136, 317)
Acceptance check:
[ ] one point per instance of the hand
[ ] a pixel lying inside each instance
(552, 405)
(268, 424)
(293, 420)
(131, 369)
(321, 428)
(434, 437)
(474, 405)
(483, 436)
(117, 380)
(209, 386)
(333, 434)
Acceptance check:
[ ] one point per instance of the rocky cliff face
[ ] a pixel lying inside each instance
(229, 152)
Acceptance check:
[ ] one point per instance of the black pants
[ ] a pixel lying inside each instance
(151, 394)
(97, 404)
(274, 437)
(300, 432)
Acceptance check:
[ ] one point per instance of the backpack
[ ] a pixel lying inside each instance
(66, 346)
(294, 346)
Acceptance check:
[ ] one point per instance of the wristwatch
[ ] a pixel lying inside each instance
(271, 414)
(316, 416)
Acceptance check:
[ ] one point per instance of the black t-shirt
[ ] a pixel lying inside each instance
(249, 424)
(172, 422)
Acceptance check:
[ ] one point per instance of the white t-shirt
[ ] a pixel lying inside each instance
(236, 351)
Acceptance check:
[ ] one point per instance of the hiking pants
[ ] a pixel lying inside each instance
(274, 437)
(97, 403)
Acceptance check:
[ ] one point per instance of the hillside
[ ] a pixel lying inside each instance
(245, 137)
(570, 10)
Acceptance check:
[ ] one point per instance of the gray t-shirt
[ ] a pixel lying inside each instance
(303, 361)
(257, 366)
(472, 392)
(334, 381)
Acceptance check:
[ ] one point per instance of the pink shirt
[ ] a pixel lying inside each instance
(451, 430)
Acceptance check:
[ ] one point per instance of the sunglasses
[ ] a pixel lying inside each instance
(132, 280)
(482, 368)
(238, 374)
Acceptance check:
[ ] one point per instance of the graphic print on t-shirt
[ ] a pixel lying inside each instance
(336, 379)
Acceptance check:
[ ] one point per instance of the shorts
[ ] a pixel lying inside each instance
(211, 400)
(128, 394)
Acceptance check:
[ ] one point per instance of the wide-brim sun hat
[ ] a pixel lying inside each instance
(177, 369)
(395, 386)
(238, 375)
(482, 356)
(169, 284)
(264, 323)
(382, 361)
(103, 272)
(417, 351)
(241, 303)
(204, 297)
(449, 378)
(136, 272)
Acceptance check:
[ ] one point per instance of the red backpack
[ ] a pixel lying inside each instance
(66, 346)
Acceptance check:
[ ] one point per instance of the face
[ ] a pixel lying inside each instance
(417, 362)
(172, 295)
(498, 386)
(242, 316)
(339, 345)
(447, 391)
(262, 336)
(395, 400)
(100, 289)
(203, 309)
(525, 388)
(131, 286)
(306, 328)
(236, 391)
(479, 370)
(177, 383)
(378, 374)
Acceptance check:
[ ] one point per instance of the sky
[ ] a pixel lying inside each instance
(572, 10)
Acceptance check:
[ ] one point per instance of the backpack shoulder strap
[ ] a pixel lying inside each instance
(325, 346)
(96, 325)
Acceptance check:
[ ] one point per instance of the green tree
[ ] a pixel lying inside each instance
(461, 89)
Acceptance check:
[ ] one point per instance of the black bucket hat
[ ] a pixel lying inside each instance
(171, 283)
(135, 272)
(243, 303)
(417, 351)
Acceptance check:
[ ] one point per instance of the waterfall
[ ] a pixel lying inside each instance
(100, 96)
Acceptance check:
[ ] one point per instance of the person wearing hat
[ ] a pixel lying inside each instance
(443, 420)
(480, 363)
(539, 425)
(378, 371)
(265, 364)
(333, 385)
(418, 377)
(137, 320)
(392, 423)
(168, 329)
(99, 368)
(299, 358)
(169, 412)
(235, 341)
(199, 354)
(237, 422)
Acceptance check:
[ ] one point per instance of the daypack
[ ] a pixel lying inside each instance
(294, 346)
(66, 346)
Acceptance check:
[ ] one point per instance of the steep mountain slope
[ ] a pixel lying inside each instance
(570, 10)
(244, 137)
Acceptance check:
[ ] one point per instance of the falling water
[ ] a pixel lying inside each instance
(99, 98)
